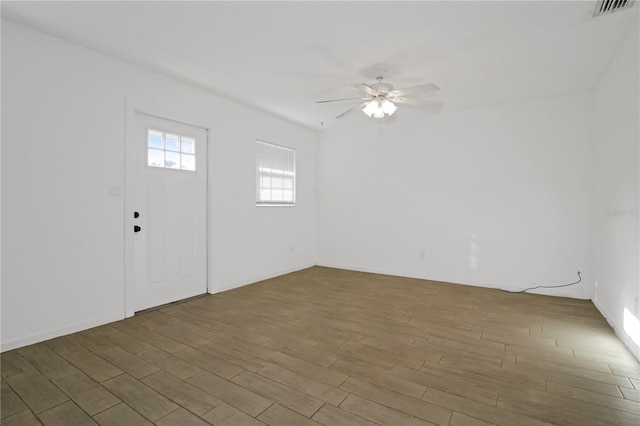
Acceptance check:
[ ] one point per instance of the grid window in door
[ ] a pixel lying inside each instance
(170, 151)
(275, 175)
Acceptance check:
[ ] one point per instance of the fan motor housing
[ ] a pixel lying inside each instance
(382, 87)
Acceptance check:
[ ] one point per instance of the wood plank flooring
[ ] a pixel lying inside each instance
(332, 347)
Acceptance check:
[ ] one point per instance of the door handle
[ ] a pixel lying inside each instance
(136, 228)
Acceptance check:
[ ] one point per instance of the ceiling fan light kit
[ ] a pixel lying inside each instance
(378, 108)
(379, 99)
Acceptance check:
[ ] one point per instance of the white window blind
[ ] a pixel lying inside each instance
(275, 174)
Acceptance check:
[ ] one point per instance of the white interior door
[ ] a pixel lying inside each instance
(170, 211)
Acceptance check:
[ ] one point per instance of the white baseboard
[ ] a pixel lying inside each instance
(395, 273)
(380, 271)
(63, 331)
(392, 272)
(630, 344)
(253, 280)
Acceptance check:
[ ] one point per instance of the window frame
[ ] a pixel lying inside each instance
(259, 174)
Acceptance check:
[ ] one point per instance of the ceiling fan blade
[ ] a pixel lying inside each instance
(419, 103)
(368, 89)
(349, 111)
(423, 88)
(338, 100)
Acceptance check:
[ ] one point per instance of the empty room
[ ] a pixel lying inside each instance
(320, 213)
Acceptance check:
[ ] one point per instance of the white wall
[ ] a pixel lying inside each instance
(63, 142)
(616, 190)
(496, 196)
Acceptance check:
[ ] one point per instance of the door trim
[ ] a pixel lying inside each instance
(131, 109)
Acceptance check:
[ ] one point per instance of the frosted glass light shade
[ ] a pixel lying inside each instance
(378, 108)
(388, 107)
(371, 108)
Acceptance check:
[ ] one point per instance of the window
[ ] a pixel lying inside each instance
(170, 151)
(275, 175)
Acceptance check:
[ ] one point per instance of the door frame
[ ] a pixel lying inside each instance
(166, 113)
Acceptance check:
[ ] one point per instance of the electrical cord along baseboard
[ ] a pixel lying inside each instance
(546, 286)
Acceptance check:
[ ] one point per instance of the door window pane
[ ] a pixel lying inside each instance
(188, 145)
(154, 139)
(171, 142)
(155, 157)
(172, 160)
(188, 162)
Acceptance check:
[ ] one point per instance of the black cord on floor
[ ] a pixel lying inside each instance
(547, 286)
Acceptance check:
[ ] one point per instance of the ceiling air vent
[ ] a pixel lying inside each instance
(609, 6)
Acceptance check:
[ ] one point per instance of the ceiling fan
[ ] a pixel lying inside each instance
(379, 99)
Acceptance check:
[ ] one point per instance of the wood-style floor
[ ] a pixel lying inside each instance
(333, 347)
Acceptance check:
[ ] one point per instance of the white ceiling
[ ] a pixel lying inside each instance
(284, 56)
